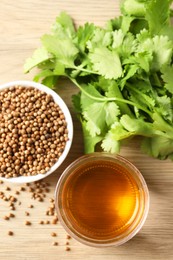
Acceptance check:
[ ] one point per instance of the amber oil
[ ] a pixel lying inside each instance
(102, 200)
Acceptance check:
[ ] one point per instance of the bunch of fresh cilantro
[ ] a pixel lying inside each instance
(124, 73)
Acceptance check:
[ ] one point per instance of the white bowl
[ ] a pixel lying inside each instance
(65, 110)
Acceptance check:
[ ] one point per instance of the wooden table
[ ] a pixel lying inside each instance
(22, 23)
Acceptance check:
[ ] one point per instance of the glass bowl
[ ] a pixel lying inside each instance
(102, 199)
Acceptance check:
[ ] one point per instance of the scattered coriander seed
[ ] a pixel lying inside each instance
(11, 204)
(6, 218)
(1, 182)
(55, 243)
(53, 234)
(27, 213)
(7, 188)
(13, 199)
(68, 237)
(40, 199)
(11, 215)
(54, 221)
(30, 206)
(27, 223)
(22, 189)
(67, 248)
(5, 198)
(41, 222)
(67, 243)
(10, 233)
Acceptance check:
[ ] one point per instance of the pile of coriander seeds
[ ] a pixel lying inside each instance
(33, 132)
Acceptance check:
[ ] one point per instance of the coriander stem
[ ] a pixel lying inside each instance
(111, 99)
(78, 68)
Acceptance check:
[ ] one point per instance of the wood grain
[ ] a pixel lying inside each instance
(22, 23)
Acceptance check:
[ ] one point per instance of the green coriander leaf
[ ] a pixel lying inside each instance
(162, 44)
(103, 83)
(95, 117)
(43, 74)
(131, 71)
(168, 31)
(118, 132)
(89, 141)
(157, 15)
(48, 64)
(110, 144)
(107, 63)
(50, 81)
(121, 22)
(40, 55)
(118, 37)
(112, 112)
(158, 146)
(84, 34)
(114, 24)
(143, 59)
(167, 76)
(63, 27)
(59, 68)
(155, 47)
(100, 38)
(143, 36)
(114, 91)
(85, 101)
(160, 124)
(142, 99)
(63, 49)
(143, 85)
(128, 47)
(137, 126)
(165, 107)
(90, 92)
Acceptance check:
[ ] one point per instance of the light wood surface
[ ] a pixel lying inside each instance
(22, 23)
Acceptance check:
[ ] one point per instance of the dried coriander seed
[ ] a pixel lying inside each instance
(30, 206)
(27, 223)
(54, 221)
(10, 233)
(30, 123)
(6, 218)
(11, 215)
(27, 213)
(55, 243)
(53, 234)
